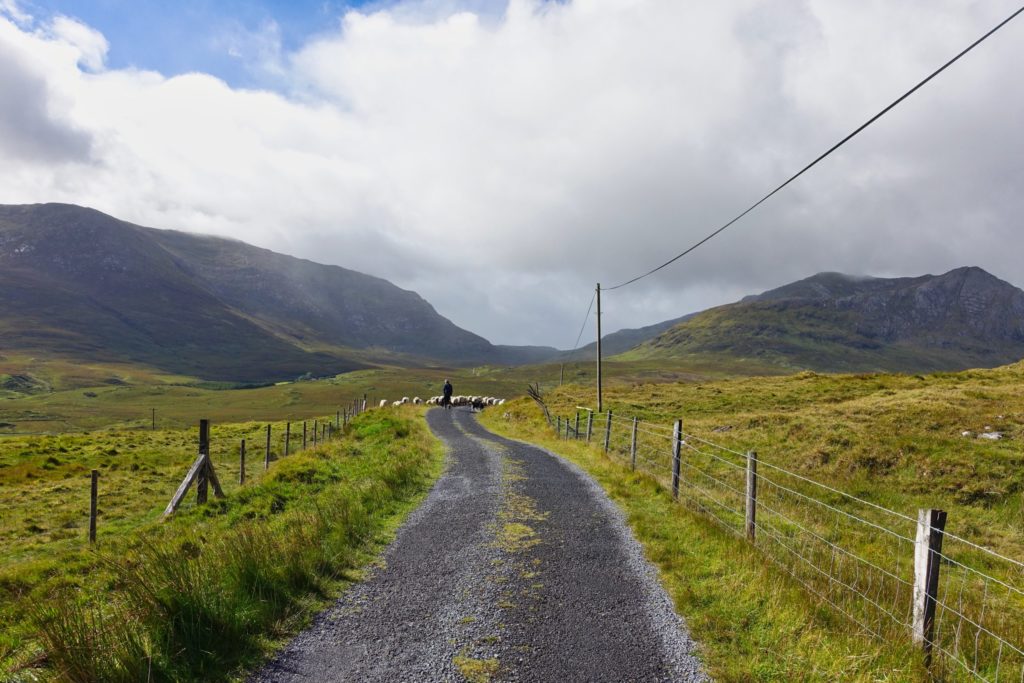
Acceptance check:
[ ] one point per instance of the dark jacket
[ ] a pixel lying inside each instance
(447, 389)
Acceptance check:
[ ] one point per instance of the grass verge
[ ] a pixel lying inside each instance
(207, 594)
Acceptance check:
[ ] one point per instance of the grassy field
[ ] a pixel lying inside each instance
(894, 441)
(208, 592)
(71, 398)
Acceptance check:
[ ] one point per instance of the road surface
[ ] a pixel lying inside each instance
(515, 568)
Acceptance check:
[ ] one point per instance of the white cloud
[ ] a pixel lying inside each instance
(91, 45)
(13, 9)
(502, 162)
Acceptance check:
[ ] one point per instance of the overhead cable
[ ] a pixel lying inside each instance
(827, 153)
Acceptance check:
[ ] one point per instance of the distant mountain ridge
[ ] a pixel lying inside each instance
(78, 282)
(835, 322)
(623, 340)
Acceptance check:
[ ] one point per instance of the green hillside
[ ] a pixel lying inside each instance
(836, 323)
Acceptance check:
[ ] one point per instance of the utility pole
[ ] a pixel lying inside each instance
(598, 347)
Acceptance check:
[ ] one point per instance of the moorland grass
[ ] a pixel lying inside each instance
(894, 440)
(205, 594)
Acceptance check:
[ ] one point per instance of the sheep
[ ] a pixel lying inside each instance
(395, 404)
(417, 400)
(383, 403)
(405, 399)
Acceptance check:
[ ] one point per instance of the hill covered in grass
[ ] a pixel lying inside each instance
(79, 284)
(839, 323)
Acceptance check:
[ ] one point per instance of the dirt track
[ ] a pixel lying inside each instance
(516, 566)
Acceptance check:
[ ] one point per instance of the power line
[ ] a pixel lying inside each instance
(827, 153)
(585, 319)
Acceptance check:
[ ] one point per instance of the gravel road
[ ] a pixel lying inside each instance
(516, 567)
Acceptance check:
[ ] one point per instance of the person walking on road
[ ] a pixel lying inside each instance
(446, 400)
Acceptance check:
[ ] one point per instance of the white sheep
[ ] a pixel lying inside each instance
(383, 403)
(417, 400)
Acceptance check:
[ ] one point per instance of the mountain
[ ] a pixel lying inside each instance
(621, 341)
(78, 283)
(834, 322)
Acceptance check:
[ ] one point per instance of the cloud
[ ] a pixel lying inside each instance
(91, 45)
(501, 158)
(12, 9)
(34, 126)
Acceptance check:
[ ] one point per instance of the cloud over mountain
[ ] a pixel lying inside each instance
(501, 158)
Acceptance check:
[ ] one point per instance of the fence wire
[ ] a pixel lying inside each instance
(852, 554)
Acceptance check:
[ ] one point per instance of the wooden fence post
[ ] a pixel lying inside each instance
(287, 438)
(303, 435)
(266, 455)
(576, 428)
(337, 420)
(632, 446)
(203, 479)
(316, 428)
(241, 463)
(751, 495)
(927, 555)
(153, 427)
(608, 431)
(677, 440)
(590, 424)
(566, 429)
(558, 430)
(93, 501)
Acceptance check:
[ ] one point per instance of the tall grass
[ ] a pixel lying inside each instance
(201, 600)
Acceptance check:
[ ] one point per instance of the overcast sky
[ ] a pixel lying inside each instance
(500, 158)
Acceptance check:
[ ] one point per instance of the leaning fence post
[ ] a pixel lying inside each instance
(590, 424)
(927, 554)
(608, 431)
(303, 435)
(677, 440)
(93, 500)
(203, 479)
(266, 454)
(751, 494)
(287, 437)
(632, 447)
(241, 463)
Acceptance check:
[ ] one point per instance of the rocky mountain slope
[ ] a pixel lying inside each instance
(834, 322)
(81, 284)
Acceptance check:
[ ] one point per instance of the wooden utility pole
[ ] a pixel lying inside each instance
(598, 296)
(561, 374)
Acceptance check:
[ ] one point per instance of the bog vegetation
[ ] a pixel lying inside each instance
(901, 442)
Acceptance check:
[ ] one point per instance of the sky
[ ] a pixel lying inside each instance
(502, 157)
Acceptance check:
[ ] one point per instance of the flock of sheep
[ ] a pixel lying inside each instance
(477, 402)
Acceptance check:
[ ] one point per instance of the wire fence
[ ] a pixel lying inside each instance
(892, 575)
